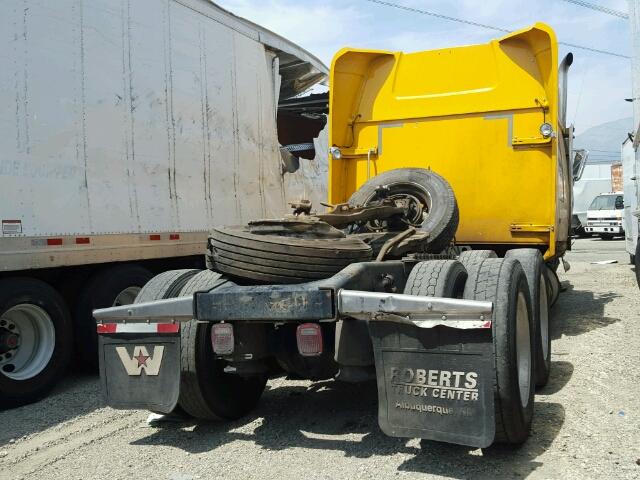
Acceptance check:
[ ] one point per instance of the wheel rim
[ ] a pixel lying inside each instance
(523, 345)
(35, 345)
(126, 296)
(544, 318)
(419, 199)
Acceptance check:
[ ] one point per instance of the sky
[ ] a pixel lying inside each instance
(598, 84)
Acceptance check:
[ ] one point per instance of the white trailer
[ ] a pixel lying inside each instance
(128, 129)
(630, 149)
(630, 190)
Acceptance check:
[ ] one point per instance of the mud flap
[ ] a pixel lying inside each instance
(140, 371)
(435, 383)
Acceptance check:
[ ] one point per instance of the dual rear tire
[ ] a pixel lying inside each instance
(504, 283)
(207, 392)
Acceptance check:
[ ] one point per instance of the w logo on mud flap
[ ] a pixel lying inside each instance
(141, 360)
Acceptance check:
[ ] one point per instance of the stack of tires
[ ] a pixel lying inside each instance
(283, 258)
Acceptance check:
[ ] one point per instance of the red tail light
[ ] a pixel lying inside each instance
(107, 328)
(222, 338)
(309, 337)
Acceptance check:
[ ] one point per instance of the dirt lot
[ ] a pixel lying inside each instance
(587, 422)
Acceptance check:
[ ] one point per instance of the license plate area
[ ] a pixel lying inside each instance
(139, 371)
(435, 383)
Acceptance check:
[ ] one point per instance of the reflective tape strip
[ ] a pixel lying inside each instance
(107, 328)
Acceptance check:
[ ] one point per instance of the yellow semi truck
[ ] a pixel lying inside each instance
(489, 118)
(430, 273)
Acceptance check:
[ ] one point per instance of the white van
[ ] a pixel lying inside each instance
(605, 215)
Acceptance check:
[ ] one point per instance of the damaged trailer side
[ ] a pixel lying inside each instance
(128, 130)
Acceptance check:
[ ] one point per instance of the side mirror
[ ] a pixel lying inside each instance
(579, 161)
(619, 203)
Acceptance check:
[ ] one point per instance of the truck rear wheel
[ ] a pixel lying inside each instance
(432, 195)
(437, 278)
(472, 259)
(109, 287)
(503, 282)
(35, 340)
(533, 265)
(206, 391)
(165, 285)
(553, 285)
(475, 257)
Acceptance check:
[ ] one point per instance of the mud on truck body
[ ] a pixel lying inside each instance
(431, 272)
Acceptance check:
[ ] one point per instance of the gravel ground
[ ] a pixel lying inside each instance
(586, 425)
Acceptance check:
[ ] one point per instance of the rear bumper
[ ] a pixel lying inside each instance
(616, 230)
(349, 295)
(248, 304)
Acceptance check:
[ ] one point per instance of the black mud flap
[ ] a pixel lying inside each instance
(435, 383)
(140, 371)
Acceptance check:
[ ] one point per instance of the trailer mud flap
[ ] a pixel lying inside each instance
(435, 383)
(140, 371)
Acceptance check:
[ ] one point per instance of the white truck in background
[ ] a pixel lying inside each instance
(596, 179)
(605, 216)
(127, 131)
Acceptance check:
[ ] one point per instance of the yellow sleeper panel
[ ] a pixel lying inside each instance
(471, 114)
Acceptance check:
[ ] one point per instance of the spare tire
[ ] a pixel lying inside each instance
(238, 252)
(439, 204)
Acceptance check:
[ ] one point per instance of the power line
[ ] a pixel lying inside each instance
(599, 8)
(483, 25)
(438, 15)
(604, 52)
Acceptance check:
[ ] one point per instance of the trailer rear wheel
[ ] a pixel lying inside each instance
(437, 278)
(503, 282)
(35, 340)
(109, 287)
(206, 391)
(533, 265)
(436, 204)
